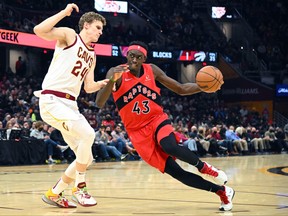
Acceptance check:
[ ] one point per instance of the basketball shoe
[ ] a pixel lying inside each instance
(226, 197)
(217, 175)
(81, 196)
(57, 200)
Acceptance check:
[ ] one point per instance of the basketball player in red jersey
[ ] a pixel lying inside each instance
(138, 100)
(72, 65)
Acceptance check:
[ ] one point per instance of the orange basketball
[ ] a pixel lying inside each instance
(209, 79)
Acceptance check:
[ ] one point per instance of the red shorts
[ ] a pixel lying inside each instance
(144, 141)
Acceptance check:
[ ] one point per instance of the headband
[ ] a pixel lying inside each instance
(137, 47)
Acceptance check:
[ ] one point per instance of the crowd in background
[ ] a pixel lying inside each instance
(202, 123)
(182, 26)
(195, 118)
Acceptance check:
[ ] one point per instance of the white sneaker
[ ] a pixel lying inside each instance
(51, 161)
(80, 195)
(217, 175)
(63, 148)
(124, 156)
(226, 198)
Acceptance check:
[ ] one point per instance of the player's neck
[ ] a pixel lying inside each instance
(85, 39)
(137, 73)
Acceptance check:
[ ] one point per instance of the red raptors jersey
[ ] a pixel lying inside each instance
(138, 99)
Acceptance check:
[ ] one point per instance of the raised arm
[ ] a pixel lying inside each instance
(173, 85)
(47, 31)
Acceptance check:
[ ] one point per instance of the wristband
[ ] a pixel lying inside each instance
(111, 79)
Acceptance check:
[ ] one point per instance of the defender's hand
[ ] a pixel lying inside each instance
(70, 7)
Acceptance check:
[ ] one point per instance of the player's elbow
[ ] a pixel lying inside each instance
(37, 30)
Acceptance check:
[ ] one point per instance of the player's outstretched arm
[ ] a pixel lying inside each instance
(173, 85)
(46, 28)
(90, 85)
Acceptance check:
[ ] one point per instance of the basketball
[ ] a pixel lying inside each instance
(209, 79)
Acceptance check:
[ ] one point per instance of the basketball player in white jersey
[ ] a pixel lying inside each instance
(73, 63)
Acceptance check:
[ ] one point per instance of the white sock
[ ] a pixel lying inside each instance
(59, 187)
(80, 177)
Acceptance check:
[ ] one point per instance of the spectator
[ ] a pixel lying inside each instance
(20, 67)
(108, 121)
(68, 155)
(255, 140)
(271, 140)
(103, 147)
(38, 133)
(185, 140)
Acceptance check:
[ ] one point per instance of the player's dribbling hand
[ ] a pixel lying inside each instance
(70, 7)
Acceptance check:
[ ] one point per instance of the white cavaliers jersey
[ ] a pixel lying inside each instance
(69, 67)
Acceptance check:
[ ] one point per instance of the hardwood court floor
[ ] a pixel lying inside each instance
(134, 188)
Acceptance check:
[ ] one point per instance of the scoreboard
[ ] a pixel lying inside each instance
(181, 55)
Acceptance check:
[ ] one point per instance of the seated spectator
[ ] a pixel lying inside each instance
(108, 121)
(68, 155)
(101, 148)
(241, 143)
(225, 142)
(26, 130)
(131, 151)
(38, 133)
(12, 125)
(118, 139)
(280, 135)
(255, 140)
(271, 140)
(232, 136)
(194, 135)
(184, 139)
(215, 137)
(203, 141)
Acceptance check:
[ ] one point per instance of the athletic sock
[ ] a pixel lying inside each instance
(80, 177)
(59, 187)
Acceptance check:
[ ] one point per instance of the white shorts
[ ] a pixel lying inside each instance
(64, 115)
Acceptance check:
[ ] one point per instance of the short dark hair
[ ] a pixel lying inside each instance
(140, 43)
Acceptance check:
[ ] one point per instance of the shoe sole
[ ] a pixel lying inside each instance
(84, 205)
(222, 208)
(48, 201)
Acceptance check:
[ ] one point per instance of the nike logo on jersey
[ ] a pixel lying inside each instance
(128, 79)
(147, 78)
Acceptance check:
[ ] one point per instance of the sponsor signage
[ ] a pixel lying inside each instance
(282, 90)
(26, 39)
(241, 89)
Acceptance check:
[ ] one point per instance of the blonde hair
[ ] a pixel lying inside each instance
(90, 17)
(239, 130)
